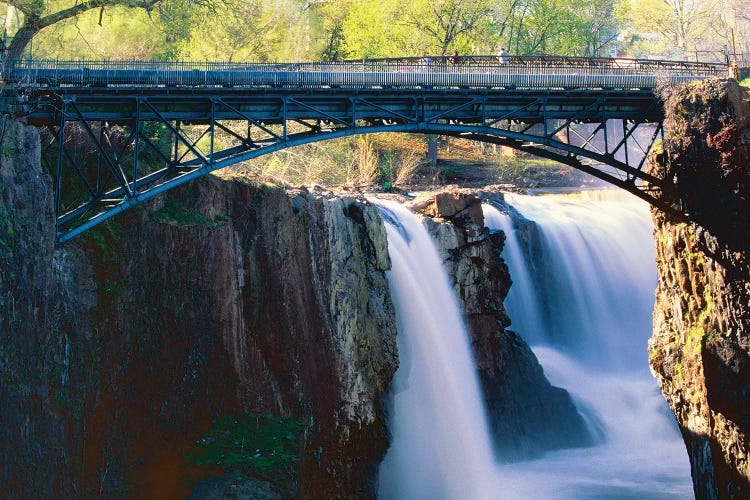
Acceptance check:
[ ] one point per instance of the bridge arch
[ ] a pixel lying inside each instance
(605, 166)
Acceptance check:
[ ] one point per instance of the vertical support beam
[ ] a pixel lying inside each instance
(625, 144)
(60, 157)
(606, 136)
(602, 104)
(175, 151)
(136, 145)
(99, 182)
(283, 119)
(212, 132)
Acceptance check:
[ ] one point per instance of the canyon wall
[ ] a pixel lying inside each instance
(121, 350)
(700, 349)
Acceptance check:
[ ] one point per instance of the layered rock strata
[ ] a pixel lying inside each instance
(527, 415)
(700, 349)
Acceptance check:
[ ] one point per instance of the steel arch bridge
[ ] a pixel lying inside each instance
(154, 126)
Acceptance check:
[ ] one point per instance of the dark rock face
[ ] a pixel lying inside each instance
(700, 349)
(119, 350)
(527, 414)
(34, 369)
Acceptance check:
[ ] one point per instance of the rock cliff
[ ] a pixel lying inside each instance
(700, 349)
(120, 351)
(528, 415)
(34, 368)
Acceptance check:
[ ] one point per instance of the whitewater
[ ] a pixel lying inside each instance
(588, 325)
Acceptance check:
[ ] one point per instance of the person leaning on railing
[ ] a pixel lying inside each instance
(455, 59)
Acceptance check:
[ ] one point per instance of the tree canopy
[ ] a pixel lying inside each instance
(280, 30)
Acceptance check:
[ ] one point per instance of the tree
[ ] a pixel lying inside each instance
(598, 26)
(120, 33)
(444, 22)
(671, 27)
(252, 30)
(733, 21)
(35, 15)
(331, 17)
(373, 28)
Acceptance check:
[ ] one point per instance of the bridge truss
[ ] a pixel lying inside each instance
(148, 137)
(147, 143)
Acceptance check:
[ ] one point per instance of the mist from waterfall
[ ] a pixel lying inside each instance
(589, 324)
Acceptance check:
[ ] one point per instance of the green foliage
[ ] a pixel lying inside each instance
(745, 83)
(120, 33)
(261, 446)
(372, 28)
(328, 20)
(563, 27)
(252, 30)
(106, 240)
(697, 335)
(281, 30)
(176, 212)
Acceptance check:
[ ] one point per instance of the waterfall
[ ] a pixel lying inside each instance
(589, 325)
(440, 440)
(598, 266)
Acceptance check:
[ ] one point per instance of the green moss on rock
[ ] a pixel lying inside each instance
(258, 446)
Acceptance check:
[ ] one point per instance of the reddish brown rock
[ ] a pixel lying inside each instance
(700, 349)
(119, 350)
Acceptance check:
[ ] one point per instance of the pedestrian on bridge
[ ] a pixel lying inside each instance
(455, 59)
(503, 56)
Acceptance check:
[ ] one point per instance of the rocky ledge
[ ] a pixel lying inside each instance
(131, 359)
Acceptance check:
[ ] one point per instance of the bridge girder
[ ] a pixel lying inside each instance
(604, 133)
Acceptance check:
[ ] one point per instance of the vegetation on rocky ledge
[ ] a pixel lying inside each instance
(260, 446)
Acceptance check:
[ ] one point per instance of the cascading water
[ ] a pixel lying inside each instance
(588, 327)
(598, 271)
(440, 441)
(589, 324)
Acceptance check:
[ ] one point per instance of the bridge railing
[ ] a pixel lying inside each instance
(482, 71)
(566, 63)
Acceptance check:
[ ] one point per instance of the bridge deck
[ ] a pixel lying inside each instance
(273, 106)
(471, 72)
